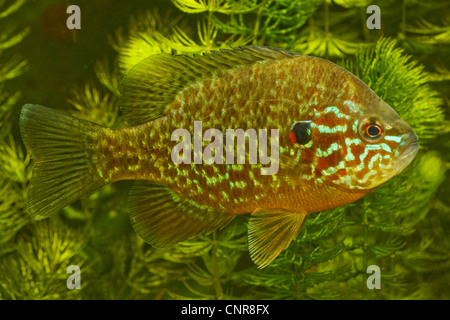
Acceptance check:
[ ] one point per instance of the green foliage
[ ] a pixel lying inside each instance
(401, 83)
(14, 164)
(94, 106)
(220, 6)
(272, 22)
(401, 226)
(150, 33)
(10, 67)
(36, 269)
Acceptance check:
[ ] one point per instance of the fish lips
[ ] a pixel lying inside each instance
(410, 152)
(407, 156)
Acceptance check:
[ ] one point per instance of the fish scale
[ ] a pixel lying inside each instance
(351, 142)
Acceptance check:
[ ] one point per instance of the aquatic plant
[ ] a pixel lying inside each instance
(10, 67)
(400, 227)
(13, 162)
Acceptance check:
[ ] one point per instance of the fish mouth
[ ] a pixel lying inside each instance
(406, 157)
(410, 152)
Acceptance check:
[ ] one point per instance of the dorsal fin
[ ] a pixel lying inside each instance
(155, 81)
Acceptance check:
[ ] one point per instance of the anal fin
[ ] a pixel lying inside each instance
(270, 232)
(163, 218)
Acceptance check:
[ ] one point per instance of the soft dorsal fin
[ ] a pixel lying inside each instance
(155, 81)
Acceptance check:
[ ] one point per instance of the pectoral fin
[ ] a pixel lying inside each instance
(291, 170)
(270, 232)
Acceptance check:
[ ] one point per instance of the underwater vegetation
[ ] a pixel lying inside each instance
(401, 226)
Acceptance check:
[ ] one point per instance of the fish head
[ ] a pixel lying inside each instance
(375, 144)
(353, 146)
(388, 144)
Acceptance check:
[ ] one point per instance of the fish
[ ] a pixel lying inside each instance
(336, 142)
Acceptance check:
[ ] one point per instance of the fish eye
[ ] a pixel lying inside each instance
(300, 132)
(371, 130)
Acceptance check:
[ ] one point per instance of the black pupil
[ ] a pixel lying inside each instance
(302, 131)
(373, 130)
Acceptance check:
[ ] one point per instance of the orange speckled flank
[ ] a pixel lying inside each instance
(350, 142)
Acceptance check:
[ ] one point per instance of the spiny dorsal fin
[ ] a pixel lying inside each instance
(270, 232)
(155, 81)
(163, 218)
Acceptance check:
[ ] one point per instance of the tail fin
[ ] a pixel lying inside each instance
(63, 148)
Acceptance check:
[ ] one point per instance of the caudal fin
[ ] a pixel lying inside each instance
(64, 151)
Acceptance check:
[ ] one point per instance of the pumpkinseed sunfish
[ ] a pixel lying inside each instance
(337, 141)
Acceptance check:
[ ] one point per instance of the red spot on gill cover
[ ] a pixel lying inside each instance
(292, 136)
